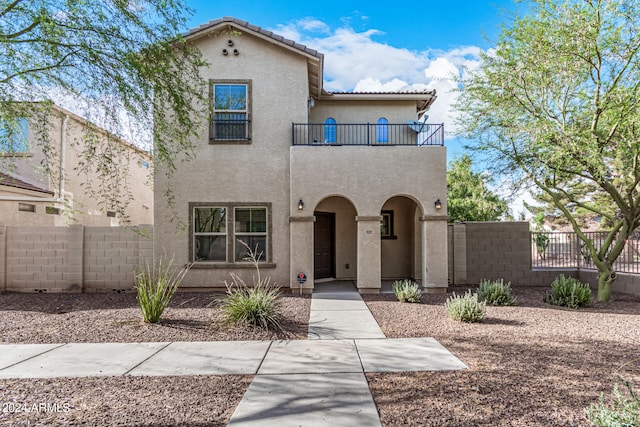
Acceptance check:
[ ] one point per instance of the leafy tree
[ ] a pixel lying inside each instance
(468, 198)
(558, 102)
(120, 56)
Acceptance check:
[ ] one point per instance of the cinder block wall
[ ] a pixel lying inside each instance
(71, 259)
(494, 250)
(627, 283)
(112, 254)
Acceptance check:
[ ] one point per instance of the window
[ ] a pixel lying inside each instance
(26, 207)
(210, 234)
(330, 130)
(386, 225)
(231, 110)
(250, 228)
(14, 136)
(51, 210)
(382, 130)
(219, 229)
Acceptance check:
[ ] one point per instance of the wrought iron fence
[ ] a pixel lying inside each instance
(366, 134)
(566, 250)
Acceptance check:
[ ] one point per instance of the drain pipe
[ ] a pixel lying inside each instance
(60, 198)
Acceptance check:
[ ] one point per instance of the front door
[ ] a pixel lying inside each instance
(324, 244)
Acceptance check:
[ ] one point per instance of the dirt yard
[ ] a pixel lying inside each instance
(529, 365)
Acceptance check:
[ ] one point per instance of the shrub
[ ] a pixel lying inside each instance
(495, 292)
(568, 292)
(256, 305)
(465, 308)
(406, 290)
(155, 286)
(624, 412)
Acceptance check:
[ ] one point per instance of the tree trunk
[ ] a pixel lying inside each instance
(606, 277)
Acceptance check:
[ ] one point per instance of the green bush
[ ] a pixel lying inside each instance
(256, 305)
(406, 290)
(625, 411)
(495, 292)
(465, 308)
(155, 286)
(568, 292)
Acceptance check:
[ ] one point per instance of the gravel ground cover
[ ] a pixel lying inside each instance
(128, 401)
(529, 365)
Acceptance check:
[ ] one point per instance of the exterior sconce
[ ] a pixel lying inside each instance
(300, 205)
(438, 204)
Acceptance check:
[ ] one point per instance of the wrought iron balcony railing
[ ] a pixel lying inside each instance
(414, 133)
(229, 130)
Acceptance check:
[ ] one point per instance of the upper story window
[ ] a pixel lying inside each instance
(382, 130)
(14, 136)
(330, 130)
(231, 106)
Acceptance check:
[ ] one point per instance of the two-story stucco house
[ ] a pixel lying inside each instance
(325, 185)
(49, 187)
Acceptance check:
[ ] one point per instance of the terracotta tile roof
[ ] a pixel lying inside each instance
(10, 181)
(400, 92)
(255, 29)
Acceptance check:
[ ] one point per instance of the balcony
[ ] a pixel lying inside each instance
(367, 134)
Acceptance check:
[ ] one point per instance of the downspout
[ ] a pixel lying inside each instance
(63, 152)
(60, 198)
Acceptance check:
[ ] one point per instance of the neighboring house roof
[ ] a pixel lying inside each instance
(10, 181)
(314, 58)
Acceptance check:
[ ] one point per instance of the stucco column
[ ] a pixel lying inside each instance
(434, 253)
(301, 228)
(369, 268)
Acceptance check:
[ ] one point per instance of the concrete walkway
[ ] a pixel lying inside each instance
(312, 382)
(321, 382)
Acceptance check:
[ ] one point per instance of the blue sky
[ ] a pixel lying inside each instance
(372, 46)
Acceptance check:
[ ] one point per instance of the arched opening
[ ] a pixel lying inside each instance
(382, 131)
(330, 130)
(335, 240)
(400, 234)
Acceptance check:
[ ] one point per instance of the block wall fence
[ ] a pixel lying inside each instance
(72, 259)
(103, 259)
(494, 250)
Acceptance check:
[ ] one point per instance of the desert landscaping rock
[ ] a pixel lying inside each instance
(529, 365)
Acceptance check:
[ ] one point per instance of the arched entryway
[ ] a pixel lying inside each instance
(400, 239)
(335, 240)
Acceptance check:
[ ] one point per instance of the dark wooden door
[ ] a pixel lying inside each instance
(323, 242)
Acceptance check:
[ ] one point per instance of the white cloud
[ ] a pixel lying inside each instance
(355, 61)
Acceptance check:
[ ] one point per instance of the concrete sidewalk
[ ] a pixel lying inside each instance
(224, 357)
(319, 381)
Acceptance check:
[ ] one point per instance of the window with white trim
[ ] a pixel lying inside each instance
(210, 234)
(218, 231)
(231, 107)
(250, 228)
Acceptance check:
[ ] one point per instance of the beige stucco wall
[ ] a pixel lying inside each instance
(246, 173)
(85, 207)
(368, 177)
(349, 112)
